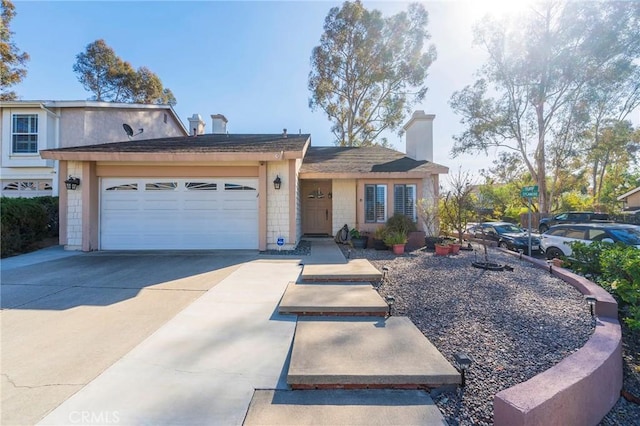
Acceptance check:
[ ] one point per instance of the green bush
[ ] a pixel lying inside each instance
(399, 223)
(615, 267)
(25, 221)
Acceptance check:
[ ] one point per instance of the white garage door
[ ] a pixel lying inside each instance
(168, 213)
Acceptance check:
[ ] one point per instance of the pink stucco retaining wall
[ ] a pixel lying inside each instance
(582, 388)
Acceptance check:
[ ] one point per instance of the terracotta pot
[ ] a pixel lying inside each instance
(398, 249)
(442, 250)
(455, 248)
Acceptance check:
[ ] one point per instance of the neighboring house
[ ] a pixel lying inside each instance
(630, 200)
(237, 191)
(28, 127)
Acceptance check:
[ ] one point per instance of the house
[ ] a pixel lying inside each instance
(28, 127)
(236, 191)
(630, 200)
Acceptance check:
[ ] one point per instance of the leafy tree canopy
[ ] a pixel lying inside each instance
(109, 78)
(547, 71)
(368, 71)
(12, 66)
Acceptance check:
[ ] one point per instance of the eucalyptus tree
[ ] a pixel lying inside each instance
(109, 78)
(533, 89)
(368, 71)
(12, 65)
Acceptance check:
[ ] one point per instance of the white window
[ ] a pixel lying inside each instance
(24, 133)
(26, 188)
(375, 203)
(201, 186)
(404, 200)
(124, 187)
(237, 187)
(161, 186)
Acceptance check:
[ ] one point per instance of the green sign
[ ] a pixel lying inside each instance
(529, 191)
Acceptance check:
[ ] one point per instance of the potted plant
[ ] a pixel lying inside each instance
(396, 240)
(442, 249)
(378, 238)
(454, 248)
(358, 240)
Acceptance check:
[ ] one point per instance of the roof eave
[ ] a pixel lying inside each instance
(169, 156)
(626, 194)
(369, 175)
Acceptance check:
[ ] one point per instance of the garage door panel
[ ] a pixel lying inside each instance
(179, 213)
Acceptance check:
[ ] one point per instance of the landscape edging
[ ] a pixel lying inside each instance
(582, 388)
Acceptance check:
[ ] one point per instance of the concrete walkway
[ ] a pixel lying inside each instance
(324, 251)
(203, 366)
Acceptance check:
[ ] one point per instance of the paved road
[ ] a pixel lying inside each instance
(67, 318)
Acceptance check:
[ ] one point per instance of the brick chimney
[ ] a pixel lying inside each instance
(196, 125)
(219, 122)
(419, 136)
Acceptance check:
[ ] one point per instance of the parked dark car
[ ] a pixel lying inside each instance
(571, 217)
(507, 235)
(556, 241)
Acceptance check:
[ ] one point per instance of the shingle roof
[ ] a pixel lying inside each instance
(209, 143)
(358, 160)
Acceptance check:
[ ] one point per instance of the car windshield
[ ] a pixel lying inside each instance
(630, 236)
(508, 229)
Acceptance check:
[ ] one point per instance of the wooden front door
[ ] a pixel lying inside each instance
(316, 207)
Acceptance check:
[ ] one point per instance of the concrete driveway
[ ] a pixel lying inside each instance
(66, 318)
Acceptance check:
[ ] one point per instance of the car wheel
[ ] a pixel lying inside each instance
(543, 228)
(503, 245)
(553, 252)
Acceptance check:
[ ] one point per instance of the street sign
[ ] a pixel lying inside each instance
(280, 242)
(529, 191)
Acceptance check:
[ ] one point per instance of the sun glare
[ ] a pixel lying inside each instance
(479, 9)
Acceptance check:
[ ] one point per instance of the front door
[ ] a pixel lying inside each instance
(316, 207)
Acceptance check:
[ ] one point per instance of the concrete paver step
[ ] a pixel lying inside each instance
(328, 299)
(354, 270)
(361, 352)
(343, 407)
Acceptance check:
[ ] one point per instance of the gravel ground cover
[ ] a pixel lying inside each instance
(514, 324)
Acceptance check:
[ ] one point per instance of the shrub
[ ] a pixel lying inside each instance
(393, 238)
(399, 223)
(25, 221)
(615, 267)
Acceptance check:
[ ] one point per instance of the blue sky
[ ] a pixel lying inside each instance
(246, 60)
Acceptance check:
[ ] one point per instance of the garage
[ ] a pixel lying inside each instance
(171, 213)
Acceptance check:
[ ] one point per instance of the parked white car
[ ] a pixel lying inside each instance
(555, 242)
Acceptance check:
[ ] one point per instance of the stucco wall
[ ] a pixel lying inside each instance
(74, 210)
(80, 126)
(278, 206)
(344, 203)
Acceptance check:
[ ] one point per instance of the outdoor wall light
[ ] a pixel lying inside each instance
(72, 183)
(464, 362)
(390, 301)
(591, 300)
(277, 183)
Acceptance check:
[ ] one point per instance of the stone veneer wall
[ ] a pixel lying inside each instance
(343, 204)
(298, 200)
(278, 206)
(74, 210)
